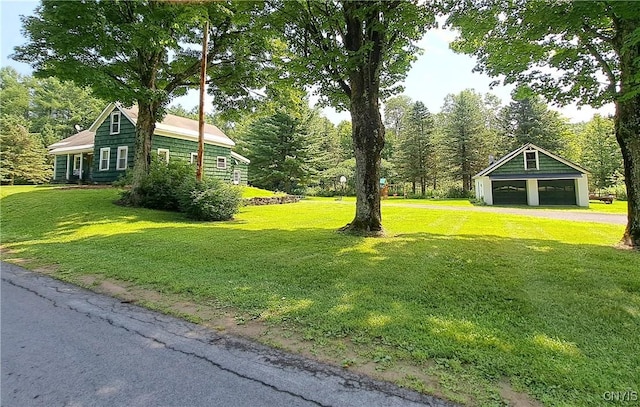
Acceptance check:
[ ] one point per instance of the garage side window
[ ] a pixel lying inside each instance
(531, 160)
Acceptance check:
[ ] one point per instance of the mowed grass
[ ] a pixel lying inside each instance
(474, 300)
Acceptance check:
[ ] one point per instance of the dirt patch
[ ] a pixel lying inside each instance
(49, 269)
(517, 399)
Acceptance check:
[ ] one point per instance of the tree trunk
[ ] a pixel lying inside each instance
(368, 140)
(627, 122)
(627, 125)
(145, 127)
(365, 37)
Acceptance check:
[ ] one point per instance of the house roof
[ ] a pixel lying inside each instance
(79, 142)
(527, 147)
(170, 126)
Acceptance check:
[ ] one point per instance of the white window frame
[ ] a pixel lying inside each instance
(77, 164)
(123, 152)
(55, 166)
(237, 177)
(194, 158)
(221, 159)
(525, 160)
(164, 151)
(117, 123)
(103, 159)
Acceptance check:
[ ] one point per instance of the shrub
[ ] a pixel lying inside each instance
(161, 188)
(210, 200)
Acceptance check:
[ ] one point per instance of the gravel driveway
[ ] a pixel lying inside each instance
(596, 217)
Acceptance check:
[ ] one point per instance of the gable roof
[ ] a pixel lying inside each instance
(170, 126)
(527, 147)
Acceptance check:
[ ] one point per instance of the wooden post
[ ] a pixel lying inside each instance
(203, 78)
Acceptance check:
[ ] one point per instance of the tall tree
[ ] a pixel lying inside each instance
(279, 152)
(356, 52)
(529, 120)
(14, 93)
(582, 51)
(468, 141)
(601, 153)
(395, 110)
(23, 158)
(417, 147)
(142, 52)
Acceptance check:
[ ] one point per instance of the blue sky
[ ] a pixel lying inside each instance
(436, 73)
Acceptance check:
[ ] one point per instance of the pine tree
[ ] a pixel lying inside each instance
(279, 152)
(416, 147)
(23, 158)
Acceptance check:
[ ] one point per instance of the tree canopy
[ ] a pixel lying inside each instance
(146, 53)
(355, 53)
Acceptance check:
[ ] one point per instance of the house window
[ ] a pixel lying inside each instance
(531, 160)
(221, 163)
(105, 155)
(115, 123)
(163, 155)
(77, 162)
(194, 158)
(236, 177)
(121, 161)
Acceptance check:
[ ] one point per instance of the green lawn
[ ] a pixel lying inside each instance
(452, 303)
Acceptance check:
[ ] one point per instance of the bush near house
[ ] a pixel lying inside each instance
(172, 186)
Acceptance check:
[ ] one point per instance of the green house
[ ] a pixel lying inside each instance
(532, 176)
(102, 153)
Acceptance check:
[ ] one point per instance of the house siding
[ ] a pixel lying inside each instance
(60, 168)
(180, 149)
(547, 165)
(103, 139)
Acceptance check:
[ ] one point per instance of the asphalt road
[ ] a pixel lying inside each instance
(65, 346)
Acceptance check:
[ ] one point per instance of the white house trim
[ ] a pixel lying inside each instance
(240, 158)
(166, 153)
(221, 162)
(533, 198)
(537, 159)
(123, 152)
(68, 166)
(114, 125)
(582, 191)
(104, 160)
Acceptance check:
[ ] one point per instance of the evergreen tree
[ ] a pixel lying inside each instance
(601, 153)
(529, 120)
(278, 149)
(23, 159)
(416, 147)
(469, 140)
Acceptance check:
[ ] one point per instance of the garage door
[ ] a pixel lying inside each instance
(557, 192)
(509, 192)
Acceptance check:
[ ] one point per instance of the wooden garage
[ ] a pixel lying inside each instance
(532, 176)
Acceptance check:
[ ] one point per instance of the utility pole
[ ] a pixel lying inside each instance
(203, 79)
